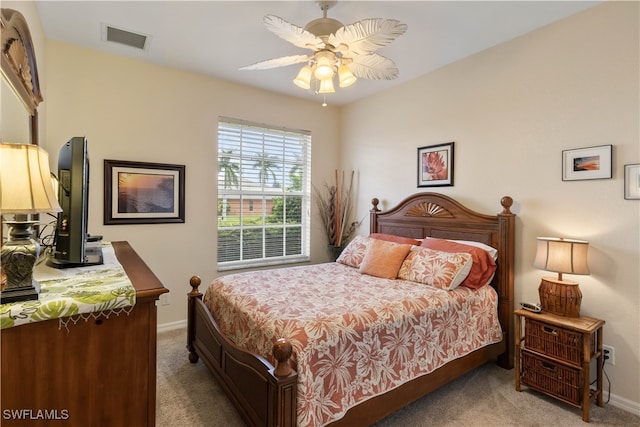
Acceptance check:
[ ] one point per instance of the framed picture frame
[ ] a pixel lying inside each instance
(587, 163)
(143, 193)
(632, 181)
(435, 165)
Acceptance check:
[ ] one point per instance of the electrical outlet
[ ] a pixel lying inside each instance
(609, 354)
(164, 299)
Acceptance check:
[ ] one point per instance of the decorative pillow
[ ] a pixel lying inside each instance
(483, 266)
(444, 270)
(383, 259)
(492, 251)
(353, 254)
(395, 239)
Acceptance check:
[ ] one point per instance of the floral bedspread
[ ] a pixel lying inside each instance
(354, 336)
(67, 292)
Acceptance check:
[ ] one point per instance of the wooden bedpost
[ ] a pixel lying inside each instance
(195, 282)
(373, 217)
(506, 260)
(282, 350)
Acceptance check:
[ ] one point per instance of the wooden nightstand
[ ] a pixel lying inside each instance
(554, 356)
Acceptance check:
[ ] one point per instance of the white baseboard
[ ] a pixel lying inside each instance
(622, 403)
(172, 326)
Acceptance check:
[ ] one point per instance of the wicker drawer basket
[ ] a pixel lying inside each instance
(555, 342)
(556, 379)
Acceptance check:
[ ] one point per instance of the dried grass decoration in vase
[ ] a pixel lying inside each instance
(335, 206)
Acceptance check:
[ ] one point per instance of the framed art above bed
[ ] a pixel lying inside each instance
(435, 165)
(278, 379)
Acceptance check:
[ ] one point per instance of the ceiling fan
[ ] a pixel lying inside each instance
(337, 49)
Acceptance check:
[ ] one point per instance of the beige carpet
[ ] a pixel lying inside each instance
(188, 395)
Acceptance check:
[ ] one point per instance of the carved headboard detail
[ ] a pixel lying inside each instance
(18, 64)
(428, 209)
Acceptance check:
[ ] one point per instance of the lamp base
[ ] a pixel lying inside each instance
(27, 293)
(560, 297)
(18, 256)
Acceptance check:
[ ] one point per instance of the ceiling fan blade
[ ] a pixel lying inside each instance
(373, 67)
(368, 35)
(277, 62)
(292, 33)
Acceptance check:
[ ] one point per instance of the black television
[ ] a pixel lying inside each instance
(74, 246)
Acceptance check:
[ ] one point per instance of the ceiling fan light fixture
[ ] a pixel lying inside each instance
(303, 79)
(326, 86)
(345, 76)
(346, 51)
(325, 62)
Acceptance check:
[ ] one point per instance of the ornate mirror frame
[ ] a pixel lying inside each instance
(18, 65)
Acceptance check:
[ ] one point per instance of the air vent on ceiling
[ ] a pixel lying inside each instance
(129, 38)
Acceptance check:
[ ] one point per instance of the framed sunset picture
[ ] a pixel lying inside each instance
(587, 163)
(143, 193)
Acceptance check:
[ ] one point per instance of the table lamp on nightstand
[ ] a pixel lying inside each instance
(25, 188)
(558, 296)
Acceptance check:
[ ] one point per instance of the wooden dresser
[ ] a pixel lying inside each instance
(99, 372)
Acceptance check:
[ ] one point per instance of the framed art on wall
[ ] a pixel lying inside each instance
(435, 165)
(587, 163)
(632, 181)
(143, 193)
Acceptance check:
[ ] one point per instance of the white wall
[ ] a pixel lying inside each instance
(511, 110)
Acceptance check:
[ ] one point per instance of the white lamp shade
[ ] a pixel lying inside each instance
(303, 79)
(562, 255)
(25, 180)
(345, 76)
(326, 86)
(324, 66)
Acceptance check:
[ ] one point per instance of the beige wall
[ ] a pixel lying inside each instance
(511, 110)
(135, 111)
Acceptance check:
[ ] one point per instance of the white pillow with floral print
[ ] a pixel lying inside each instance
(444, 270)
(353, 254)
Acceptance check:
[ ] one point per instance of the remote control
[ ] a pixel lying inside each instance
(531, 307)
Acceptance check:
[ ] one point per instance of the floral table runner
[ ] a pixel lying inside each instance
(86, 291)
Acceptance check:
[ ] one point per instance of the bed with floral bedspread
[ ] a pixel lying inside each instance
(354, 335)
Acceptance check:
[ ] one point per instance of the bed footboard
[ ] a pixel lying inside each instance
(264, 395)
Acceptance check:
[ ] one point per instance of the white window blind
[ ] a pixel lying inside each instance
(264, 190)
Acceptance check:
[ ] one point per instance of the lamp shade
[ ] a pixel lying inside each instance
(326, 86)
(562, 255)
(325, 61)
(303, 79)
(345, 76)
(25, 180)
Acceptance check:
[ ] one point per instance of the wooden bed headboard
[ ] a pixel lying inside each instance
(436, 215)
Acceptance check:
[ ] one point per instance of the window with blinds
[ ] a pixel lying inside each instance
(264, 186)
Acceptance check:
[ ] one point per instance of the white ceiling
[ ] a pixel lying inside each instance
(218, 37)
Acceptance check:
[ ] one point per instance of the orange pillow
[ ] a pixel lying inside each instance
(383, 259)
(483, 267)
(395, 239)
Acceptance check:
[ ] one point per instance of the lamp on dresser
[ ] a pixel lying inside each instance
(563, 256)
(25, 189)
